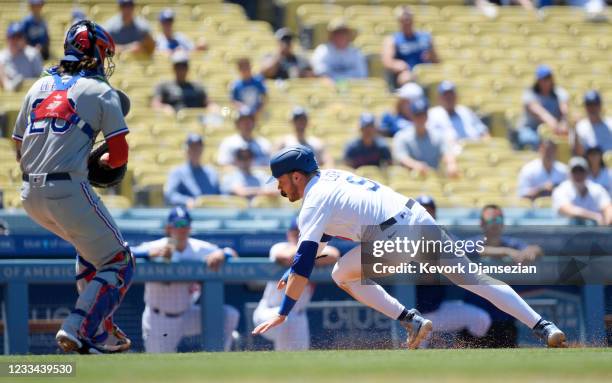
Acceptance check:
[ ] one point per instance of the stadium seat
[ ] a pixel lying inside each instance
(222, 201)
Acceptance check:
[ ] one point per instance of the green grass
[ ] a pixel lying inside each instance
(493, 365)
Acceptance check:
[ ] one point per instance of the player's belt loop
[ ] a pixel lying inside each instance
(392, 221)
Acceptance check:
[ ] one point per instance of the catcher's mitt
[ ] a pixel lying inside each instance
(103, 176)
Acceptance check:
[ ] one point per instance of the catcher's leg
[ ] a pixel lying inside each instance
(97, 302)
(116, 340)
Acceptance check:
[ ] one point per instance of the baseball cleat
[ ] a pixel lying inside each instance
(548, 332)
(117, 340)
(418, 328)
(68, 342)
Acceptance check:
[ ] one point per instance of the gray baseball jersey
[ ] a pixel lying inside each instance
(47, 146)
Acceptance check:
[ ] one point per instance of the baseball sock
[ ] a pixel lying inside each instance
(507, 300)
(376, 297)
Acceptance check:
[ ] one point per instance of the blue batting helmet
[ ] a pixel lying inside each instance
(293, 158)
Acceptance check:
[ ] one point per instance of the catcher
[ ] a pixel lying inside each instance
(60, 118)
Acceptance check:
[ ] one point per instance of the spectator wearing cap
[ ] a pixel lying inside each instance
(192, 179)
(405, 49)
(543, 103)
(299, 119)
(285, 64)
(250, 90)
(338, 59)
(598, 172)
(131, 33)
(259, 146)
(582, 199)
(179, 93)
(169, 40)
(421, 148)
(245, 181)
(540, 176)
(458, 122)
(501, 247)
(369, 149)
(595, 129)
(390, 123)
(18, 61)
(35, 28)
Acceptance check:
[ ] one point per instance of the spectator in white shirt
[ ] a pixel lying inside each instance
(259, 146)
(338, 58)
(595, 129)
(458, 122)
(598, 172)
(539, 177)
(582, 199)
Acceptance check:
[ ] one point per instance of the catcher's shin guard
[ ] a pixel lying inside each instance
(102, 295)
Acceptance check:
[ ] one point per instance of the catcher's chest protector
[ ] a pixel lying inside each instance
(58, 105)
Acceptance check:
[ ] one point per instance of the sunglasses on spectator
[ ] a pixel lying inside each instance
(181, 223)
(499, 220)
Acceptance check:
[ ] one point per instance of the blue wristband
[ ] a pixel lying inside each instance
(286, 305)
(227, 252)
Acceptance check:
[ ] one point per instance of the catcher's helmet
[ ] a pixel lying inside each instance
(88, 39)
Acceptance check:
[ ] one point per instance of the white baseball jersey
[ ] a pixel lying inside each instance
(272, 297)
(338, 203)
(175, 297)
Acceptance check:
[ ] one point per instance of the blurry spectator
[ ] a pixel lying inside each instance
(582, 199)
(402, 119)
(168, 40)
(170, 310)
(406, 49)
(77, 15)
(540, 176)
(188, 181)
(294, 334)
(369, 149)
(179, 93)
(35, 28)
(259, 146)
(457, 122)
(497, 246)
(250, 90)
(245, 181)
(595, 129)
(489, 8)
(598, 172)
(544, 103)
(18, 61)
(338, 59)
(4, 228)
(299, 118)
(444, 303)
(131, 33)
(285, 64)
(422, 148)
